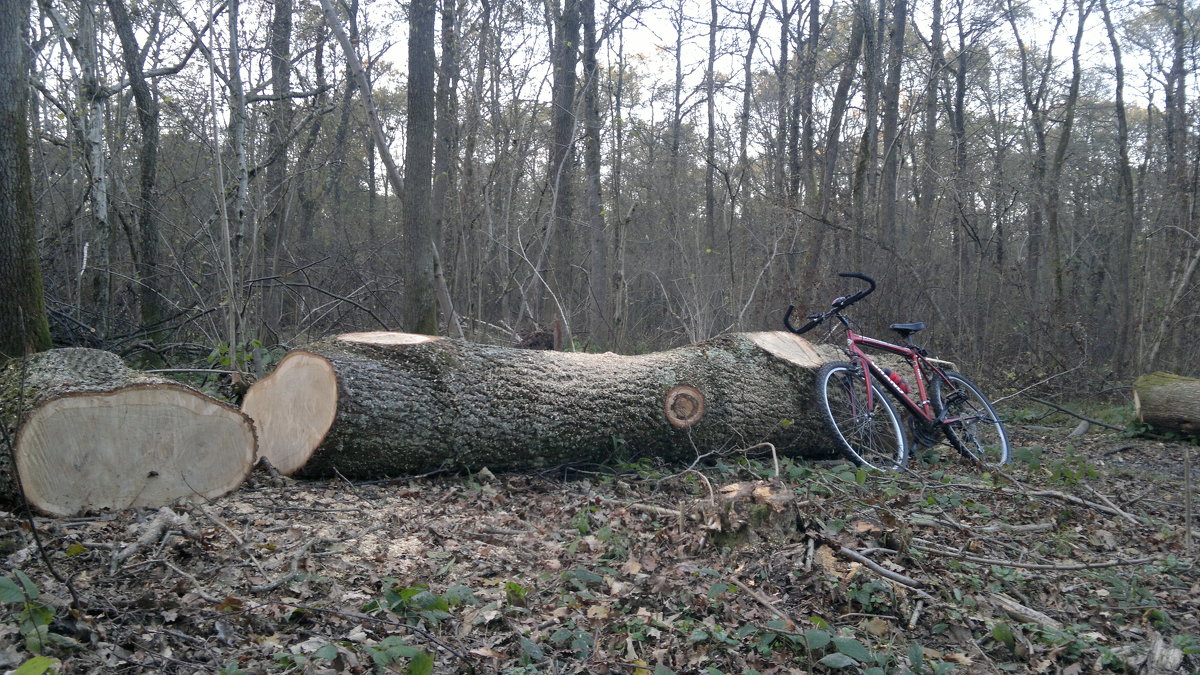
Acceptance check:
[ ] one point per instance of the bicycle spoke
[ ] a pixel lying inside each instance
(971, 423)
(870, 435)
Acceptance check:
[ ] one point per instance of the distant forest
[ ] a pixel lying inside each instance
(217, 178)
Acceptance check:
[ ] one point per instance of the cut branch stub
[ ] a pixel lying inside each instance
(368, 405)
(94, 434)
(683, 406)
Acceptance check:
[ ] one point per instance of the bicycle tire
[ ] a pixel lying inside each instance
(870, 438)
(979, 433)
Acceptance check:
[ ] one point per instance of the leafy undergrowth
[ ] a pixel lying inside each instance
(626, 571)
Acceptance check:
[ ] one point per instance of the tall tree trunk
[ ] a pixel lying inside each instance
(1054, 187)
(445, 176)
(929, 160)
(364, 85)
(93, 100)
(1179, 195)
(833, 132)
(866, 177)
(1035, 104)
(420, 305)
(280, 132)
(616, 290)
(149, 291)
(891, 123)
(598, 301)
(710, 140)
(238, 117)
(23, 325)
(780, 165)
(802, 151)
(1123, 256)
(559, 234)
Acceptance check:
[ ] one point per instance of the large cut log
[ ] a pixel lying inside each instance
(1168, 402)
(369, 405)
(90, 433)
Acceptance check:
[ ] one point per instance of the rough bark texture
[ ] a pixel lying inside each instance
(90, 433)
(23, 324)
(385, 404)
(1168, 402)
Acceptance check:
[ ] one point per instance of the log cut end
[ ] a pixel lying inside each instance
(385, 338)
(792, 348)
(142, 445)
(294, 407)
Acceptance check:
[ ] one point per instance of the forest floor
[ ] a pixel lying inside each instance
(1073, 561)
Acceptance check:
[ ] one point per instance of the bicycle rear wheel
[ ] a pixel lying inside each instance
(868, 436)
(974, 428)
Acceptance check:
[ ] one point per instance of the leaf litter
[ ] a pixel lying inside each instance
(1072, 560)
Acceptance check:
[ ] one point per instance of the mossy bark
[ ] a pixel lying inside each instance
(90, 433)
(374, 405)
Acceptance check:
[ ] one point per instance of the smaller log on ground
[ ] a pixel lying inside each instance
(1168, 402)
(368, 405)
(90, 433)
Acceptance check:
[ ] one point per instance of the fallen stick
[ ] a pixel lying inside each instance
(1024, 614)
(1072, 413)
(1062, 496)
(1124, 514)
(922, 545)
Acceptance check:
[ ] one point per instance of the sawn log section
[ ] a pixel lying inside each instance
(1168, 402)
(90, 433)
(370, 405)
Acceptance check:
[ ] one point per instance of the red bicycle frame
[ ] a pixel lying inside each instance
(923, 407)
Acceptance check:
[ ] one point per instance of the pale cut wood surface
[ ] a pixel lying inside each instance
(92, 434)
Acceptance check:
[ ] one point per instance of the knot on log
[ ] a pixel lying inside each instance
(683, 406)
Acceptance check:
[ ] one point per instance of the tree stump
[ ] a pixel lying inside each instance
(748, 512)
(369, 405)
(89, 433)
(1168, 402)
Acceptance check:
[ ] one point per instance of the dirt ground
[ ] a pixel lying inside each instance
(1074, 560)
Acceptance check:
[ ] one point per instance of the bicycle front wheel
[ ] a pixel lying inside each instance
(870, 436)
(970, 422)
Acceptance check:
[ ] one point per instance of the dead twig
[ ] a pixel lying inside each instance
(294, 565)
(774, 454)
(196, 584)
(164, 521)
(882, 571)
(238, 540)
(764, 601)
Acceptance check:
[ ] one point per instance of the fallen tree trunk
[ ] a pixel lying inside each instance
(1168, 402)
(89, 433)
(368, 405)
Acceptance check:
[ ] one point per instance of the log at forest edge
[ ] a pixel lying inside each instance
(370, 405)
(90, 433)
(1168, 402)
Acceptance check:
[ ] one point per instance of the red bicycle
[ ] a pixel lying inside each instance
(867, 425)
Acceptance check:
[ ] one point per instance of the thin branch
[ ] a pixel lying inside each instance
(1072, 413)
